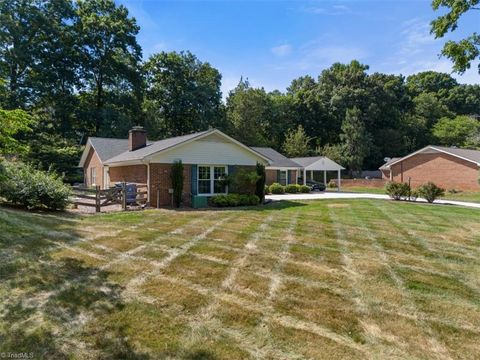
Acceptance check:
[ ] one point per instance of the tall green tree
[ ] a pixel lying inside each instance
(459, 131)
(462, 52)
(12, 123)
(296, 143)
(110, 58)
(356, 140)
(249, 114)
(182, 95)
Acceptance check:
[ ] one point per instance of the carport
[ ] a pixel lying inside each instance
(319, 163)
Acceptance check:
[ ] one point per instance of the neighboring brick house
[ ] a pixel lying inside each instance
(207, 157)
(447, 167)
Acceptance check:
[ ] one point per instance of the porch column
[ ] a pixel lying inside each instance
(325, 177)
(338, 185)
(311, 174)
(304, 176)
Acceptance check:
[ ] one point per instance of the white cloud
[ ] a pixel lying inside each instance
(332, 10)
(282, 50)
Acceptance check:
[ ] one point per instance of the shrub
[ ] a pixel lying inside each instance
(176, 176)
(277, 188)
(332, 184)
(397, 191)
(267, 190)
(413, 195)
(26, 186)
(260, 184)
(292, 189)
(242, 181)
(430, 191)
(304, 189)
(231, 200)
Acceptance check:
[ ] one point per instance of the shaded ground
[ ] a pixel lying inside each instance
(328, 279)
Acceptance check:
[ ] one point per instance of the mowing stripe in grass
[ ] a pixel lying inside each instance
(132, 286)
(436, 346)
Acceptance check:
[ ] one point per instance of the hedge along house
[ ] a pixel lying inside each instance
(281, 169)
(447, 167)
(207, 157)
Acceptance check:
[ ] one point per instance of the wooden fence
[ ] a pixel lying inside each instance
(98, 198)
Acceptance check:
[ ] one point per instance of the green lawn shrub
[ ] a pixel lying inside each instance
(23, 185)
(396, 190)
(304, 189)
(231, 200)
(292, 189)
(430, 192)
(277, 188)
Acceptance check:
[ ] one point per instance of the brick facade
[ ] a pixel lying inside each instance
(271, 176)
(444, 170)
(93, 161)
(160, 180)
(131, 173)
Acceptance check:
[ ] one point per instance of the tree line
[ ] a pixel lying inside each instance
(69, 70)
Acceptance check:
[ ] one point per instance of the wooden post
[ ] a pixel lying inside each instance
(124, 196)
(97, 198)
(158, 197)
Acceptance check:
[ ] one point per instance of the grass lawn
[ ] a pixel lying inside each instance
(319, 280)
(472, 196)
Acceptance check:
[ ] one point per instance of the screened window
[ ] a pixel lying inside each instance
(211, 180)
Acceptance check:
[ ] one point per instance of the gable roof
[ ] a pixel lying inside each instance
(277, 159)
(386, 166)
(166, 144)
(465, 154)
(318, 163)
(105, 148)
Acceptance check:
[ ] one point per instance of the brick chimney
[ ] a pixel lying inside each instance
(137, 138)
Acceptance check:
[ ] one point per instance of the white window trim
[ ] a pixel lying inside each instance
(212, 180)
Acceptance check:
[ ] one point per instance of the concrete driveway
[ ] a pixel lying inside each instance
(347, 195)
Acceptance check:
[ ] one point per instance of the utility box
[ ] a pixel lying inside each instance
(199, 201)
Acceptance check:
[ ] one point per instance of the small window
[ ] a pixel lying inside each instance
(283, 177)
(93, 176)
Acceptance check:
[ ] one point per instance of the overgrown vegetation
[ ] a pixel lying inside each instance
(23, 185)
(260, 183)
(292, 280)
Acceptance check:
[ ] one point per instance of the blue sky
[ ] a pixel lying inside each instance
(273, 42)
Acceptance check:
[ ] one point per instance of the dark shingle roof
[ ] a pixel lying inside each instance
(472, 155)
(152, 148)
(107, 148)
(277, 159)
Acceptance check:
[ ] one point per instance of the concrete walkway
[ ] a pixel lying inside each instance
(347, 195)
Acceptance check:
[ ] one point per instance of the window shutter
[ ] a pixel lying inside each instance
(194, 184)
(231, 169)
(289, 177)
(278, 176)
